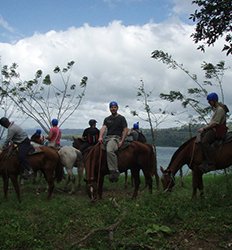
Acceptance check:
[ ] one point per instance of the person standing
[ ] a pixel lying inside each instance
(54, 135)
(216, 129)
(18, 136)
(116, 126)
(90, 135)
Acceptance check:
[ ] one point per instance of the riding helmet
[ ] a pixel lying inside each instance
(38, 131)
(54, 122)
(212, 97)
(92, 122)
(113, 103)
(4, 122)
(136, 125)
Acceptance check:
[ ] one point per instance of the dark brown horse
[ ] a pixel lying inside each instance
(190, 154)
(136, 156)
(46, 160)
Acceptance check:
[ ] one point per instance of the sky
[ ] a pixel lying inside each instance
(111, 42)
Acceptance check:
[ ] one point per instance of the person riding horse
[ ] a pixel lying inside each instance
(19, 137)
(215, 130)
(90, 135)
(116, 126)
(37, 137)
(54, 135)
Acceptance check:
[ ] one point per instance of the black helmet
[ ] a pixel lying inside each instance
(92, 122)
(4, 122)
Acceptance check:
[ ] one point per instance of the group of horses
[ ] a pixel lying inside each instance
(135, 156)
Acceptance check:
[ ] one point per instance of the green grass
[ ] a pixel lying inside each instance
(157, 221)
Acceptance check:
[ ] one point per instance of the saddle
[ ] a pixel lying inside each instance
(225, 140)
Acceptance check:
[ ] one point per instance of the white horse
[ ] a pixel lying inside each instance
(71, 157)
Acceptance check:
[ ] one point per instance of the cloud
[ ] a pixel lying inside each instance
(115, 58)
(4, 24)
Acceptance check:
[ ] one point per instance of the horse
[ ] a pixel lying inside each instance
(71, 157)
(190, 153)
(77, 142)
(135, 156)
(44, 159)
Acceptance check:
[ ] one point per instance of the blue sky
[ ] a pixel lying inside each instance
(111, 42)
(23, 18)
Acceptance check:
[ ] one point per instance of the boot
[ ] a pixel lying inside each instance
(114, 175)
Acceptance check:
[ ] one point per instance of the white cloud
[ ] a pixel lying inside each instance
(4, 24)
(115, 58)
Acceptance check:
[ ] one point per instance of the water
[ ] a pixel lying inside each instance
(164, 155)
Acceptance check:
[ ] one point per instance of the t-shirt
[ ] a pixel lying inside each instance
(115, 124)
(56, 135)
(91, 135)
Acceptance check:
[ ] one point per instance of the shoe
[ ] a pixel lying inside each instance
(114, 175)
(26, 174)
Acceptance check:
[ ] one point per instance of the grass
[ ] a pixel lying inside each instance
(157, 221)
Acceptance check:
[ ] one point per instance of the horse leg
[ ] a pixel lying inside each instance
(197, 183)
(181, 177)
(5, 179)
(80, 171)
(14, 180)
(126, 180)
(50, 181)
(100, 187)
(136, 177)
(73, 179)
(68, 178)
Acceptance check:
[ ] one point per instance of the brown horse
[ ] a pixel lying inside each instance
(46, 160)
(190, 154)
(135, 156)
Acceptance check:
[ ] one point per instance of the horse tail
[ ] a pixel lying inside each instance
(59, 170)
(153, 160)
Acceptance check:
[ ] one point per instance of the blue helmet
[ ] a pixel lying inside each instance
(113, 103)
(38, 131)
(136, 125)
(212, 97)
(54, 122)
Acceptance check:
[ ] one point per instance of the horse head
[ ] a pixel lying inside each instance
(77, 142)
(167, 179)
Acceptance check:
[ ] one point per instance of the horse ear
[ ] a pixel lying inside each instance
(161, 169)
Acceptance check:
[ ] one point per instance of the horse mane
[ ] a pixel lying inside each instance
(180, 149)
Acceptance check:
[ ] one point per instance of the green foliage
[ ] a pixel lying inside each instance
(157, 221)
(192, 97)
(213, 19)
(41, 98)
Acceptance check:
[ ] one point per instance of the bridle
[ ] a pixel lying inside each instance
(170, 174)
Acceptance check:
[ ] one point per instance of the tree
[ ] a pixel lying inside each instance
(152, 117)
(40, 98)
(194, 95)
(213, 20)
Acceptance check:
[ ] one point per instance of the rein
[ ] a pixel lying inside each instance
(192, 155)
(169, 184)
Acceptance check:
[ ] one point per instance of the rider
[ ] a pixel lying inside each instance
(54, 135)
(216, 129)
(116, 126)
(136, 133)
(37, 137)
(19, 137)
(90, 135)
